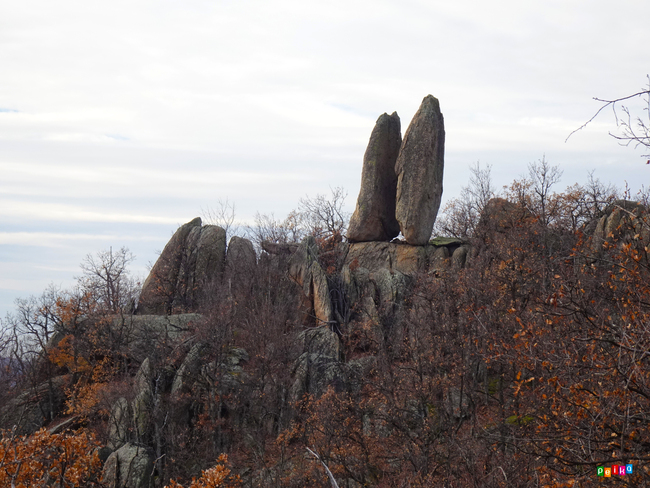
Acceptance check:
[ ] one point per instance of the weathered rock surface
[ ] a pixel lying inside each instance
(309, 275)
(499, 215)
(319, 366)
(143, 401)
(179, 280)
(376, 277)
(241, 263)
(419, 169)
(202, 264)
(187, 373)
(118, 423)
(140, 333)
(374, 216)
(130, 466)
(620, 218)
(241, 255)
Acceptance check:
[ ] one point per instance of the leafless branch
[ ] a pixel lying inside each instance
(639, 135)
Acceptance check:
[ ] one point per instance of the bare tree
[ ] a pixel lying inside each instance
(633, 129)
(223, 216)
(269, 229)
(323, 216)
(461, 215)
(543, 177)
(107, 279)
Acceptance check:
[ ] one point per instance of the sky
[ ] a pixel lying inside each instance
(121, 120)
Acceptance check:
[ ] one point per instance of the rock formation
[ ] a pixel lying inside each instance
(620, 218)
(374, 216)
(241, 262)
(191, 260)
(305, 270)
(419, 171)
(129, 467)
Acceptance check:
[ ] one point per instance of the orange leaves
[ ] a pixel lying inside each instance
(519, 384)
(64, 460)
(217, 477)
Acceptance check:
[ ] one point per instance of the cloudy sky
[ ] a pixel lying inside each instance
(121, 120)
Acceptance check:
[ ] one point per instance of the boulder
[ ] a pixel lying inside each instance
(392, 256)
(437, 256)
(374, 216)
(419, 169)
(192, 259)
(130, 466)
(241, 255)
(459, 257)
(241, 263)
(189, 369)
(621, 219)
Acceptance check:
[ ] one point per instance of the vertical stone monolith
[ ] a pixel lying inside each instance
(419, 169)
(374, 216)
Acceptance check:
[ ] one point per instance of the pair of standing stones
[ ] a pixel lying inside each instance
(401, 181)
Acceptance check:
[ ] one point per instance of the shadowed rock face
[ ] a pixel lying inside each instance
(374, 215)
(192, 258)
(419, 171)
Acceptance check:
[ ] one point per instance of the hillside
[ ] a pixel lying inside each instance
(510, 351)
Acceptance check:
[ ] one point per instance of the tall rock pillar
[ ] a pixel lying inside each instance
(374, 216)
(419, 171)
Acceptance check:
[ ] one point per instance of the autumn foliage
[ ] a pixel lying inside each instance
(527, 367)
(64, 460)
(218, 476)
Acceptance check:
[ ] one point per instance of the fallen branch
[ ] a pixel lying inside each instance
(329, 473)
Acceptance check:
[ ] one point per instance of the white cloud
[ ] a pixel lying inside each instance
(141, 113)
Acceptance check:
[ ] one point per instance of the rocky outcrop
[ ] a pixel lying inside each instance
(419, 169)
(118, 423)
(319, 366)
(241, 263)
(241, 255)
(130, 466)
(188, 371)
(374, 216)
(143, 402)
(499, 215)
(36, 406)
(621, 219)
(305, 270)
(376, 278)
(192, 259)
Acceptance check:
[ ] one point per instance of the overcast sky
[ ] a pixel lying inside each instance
(121, 120)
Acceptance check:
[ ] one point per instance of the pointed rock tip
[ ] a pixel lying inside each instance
(430, 100)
